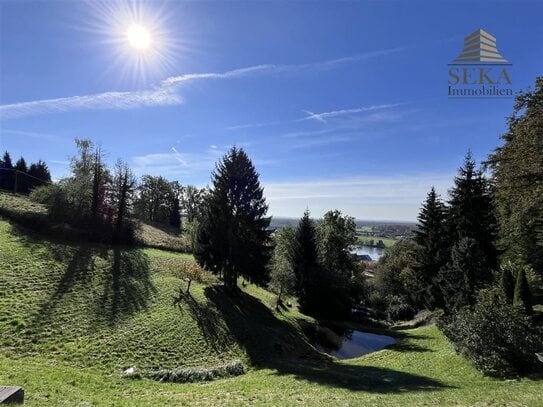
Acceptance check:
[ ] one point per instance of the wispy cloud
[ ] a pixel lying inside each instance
(29, 134)
(176, 164)
(167, 92)
(320, 117)
(161, 96)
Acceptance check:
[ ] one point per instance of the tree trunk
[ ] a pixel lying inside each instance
(279, 298)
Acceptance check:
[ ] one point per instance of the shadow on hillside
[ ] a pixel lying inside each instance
(128, 287)
(277, 345)
(78, 272)
(125, 285)
(209, 321)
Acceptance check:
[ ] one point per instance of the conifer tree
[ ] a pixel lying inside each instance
(21, 176)
(458, 280)
(40, 173)
(433, 251)
(522, 298)
(6, 172)
(306, 266)
(507, 282)
(471, 215)
(233, 236)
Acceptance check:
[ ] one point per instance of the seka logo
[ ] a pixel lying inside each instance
(480, 71)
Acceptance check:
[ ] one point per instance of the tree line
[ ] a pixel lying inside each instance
(479, 255)
(21, 177)
(107, 202)
(234, 241)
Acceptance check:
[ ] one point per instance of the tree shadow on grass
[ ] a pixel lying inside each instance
(209, 321)
(78, 273)
(275, 344)
(127, 287)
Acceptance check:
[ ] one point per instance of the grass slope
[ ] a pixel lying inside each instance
(72, 316)
(34, 215)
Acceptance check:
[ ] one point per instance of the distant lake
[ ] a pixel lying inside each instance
(374, 252)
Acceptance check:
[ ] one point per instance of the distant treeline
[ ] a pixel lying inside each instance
(20, 177)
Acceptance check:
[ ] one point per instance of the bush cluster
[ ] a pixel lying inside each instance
(397, 309)
(497, 337)
(198, 374)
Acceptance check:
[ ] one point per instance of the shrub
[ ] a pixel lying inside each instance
(197, 374)
(496, 337)
(398, 309)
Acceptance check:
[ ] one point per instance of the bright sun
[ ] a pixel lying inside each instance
(138, 37)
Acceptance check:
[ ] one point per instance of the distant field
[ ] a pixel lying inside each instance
(389, 242)
(366, 229)
(72, 316)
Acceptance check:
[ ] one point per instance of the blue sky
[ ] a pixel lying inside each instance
(340, 104)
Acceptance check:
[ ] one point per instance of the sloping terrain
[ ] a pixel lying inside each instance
(72, 316)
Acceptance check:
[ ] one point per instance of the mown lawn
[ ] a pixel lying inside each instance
(73, 316)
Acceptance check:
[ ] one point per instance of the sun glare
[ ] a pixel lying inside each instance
(143, 46)
(138, 37)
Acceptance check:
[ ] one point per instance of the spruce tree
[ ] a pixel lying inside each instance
(233, 237)
(471, 215)
(458, 279)
(21, 176)
(522, 298)
(433, 251)
(40, 174)
(507, 282)
(306, 265)
(6, 172)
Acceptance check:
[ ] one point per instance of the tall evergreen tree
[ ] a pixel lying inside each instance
(507, 282)
(472, 215)
(460, 280)
(40, 174)
(522, 298)
(21, 176)
(233, 237)
(432, 253)
(306, 265)
(6, 172)
(518, 173)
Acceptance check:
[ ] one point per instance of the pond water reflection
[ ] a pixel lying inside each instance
(357, 343)
(374, 252)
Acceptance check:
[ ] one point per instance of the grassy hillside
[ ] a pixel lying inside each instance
(34, 215)
(73, 316)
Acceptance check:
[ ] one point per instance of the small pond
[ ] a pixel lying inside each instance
(353, 344)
